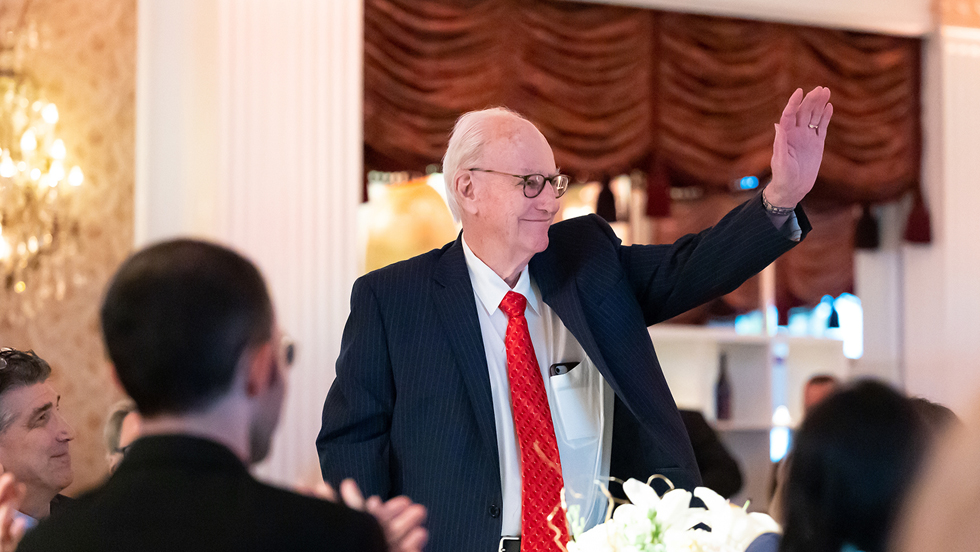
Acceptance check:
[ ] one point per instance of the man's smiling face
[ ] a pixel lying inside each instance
(515, 225)
(34, 444)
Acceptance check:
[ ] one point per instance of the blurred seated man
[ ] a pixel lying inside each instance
(815, 390)
(34, 437)
(818, 388)
(193, 338)
(719, 470)
(121, 429)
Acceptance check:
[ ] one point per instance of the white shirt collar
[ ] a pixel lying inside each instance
(491, 288)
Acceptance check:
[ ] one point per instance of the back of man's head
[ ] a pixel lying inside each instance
(176, 319)
(18, 368)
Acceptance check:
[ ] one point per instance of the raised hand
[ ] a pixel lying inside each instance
(798, 148)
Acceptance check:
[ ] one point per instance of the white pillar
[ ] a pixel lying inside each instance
(878, 282)
(942, 280)
(176, 106)
(250, 134)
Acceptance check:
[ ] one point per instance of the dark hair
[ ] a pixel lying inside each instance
(823, 379)
(18, 368)
(938, 418)
(176, 319)
(855, 456)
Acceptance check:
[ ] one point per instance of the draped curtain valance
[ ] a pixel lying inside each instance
(689, 99)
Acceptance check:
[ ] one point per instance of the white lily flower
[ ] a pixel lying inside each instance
(675, 510)
(666, 524)
(641, 494)
(601, 538)
(738, 527)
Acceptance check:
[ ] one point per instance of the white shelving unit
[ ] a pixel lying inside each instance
(764, 372)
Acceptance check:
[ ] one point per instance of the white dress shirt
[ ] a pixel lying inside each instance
(581, 401)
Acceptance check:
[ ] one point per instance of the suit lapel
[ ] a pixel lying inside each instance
(456, 306)
(561, 294)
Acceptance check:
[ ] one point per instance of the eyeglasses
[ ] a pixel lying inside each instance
(287, 351)
(534, 183)
(9, 357)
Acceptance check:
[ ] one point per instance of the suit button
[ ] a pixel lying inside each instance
(494, 511)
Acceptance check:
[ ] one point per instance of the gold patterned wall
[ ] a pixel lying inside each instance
(86, 64)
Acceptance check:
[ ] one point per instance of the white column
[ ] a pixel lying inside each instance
(176, 106)
(272, 166)
(878, 282)
(290, 147)
(942, 280)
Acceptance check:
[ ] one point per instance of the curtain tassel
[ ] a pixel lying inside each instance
(866, 234)
(605, 204)
(918, 228)
(658, 192)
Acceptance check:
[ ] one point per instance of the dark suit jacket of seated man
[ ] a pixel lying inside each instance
(412, 409)
(192, 336)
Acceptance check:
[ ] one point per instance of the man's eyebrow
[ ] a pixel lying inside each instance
(41, 410)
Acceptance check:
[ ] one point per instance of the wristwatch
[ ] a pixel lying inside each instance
(777, 211)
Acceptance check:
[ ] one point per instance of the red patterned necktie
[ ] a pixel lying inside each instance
(541, 479)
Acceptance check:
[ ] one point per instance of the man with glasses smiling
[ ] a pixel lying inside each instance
(512, 368)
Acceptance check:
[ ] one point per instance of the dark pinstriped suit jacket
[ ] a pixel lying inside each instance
(410, 411)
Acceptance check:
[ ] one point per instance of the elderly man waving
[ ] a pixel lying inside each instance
(483, 378)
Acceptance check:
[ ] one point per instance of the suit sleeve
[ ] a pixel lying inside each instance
(354, 435)
(668, 280)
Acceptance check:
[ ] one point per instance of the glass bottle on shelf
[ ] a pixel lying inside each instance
(723, 391)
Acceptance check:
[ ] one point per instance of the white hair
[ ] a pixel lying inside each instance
(470, 134)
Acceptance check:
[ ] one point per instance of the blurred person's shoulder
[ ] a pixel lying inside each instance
(267, 518)
(308, 522)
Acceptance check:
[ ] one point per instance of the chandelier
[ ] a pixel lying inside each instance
(38, 185)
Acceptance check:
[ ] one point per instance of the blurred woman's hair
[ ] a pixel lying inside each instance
(944, 503)
(856, 454)
(938, 418)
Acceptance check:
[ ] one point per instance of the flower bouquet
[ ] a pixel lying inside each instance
(651, 523)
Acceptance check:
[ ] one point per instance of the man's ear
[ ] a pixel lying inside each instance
(261, 372)
(465, 191)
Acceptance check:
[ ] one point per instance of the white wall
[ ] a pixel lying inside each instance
(249, 132)
(879, 283)
(942, 280)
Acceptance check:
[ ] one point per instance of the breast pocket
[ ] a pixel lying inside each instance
(578, 398)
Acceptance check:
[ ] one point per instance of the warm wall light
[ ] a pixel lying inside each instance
(38, 229)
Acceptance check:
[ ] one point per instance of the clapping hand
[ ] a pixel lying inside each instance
(11, 527)
(400, 518)
(798, 148)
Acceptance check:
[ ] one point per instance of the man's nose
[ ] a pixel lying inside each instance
(65, 431)
(548, 199)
